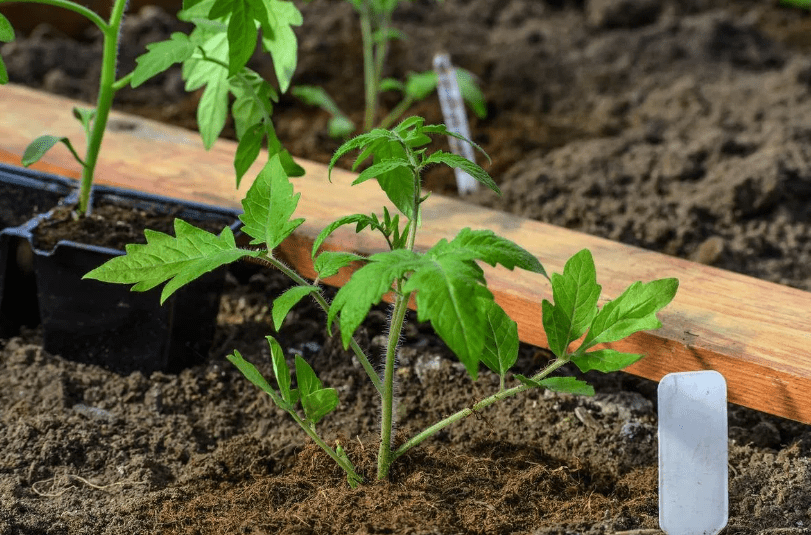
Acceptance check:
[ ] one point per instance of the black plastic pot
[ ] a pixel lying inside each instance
(108, 324)
(24, 194)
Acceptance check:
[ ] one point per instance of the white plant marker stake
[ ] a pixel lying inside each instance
(453, 112)
(693, 456)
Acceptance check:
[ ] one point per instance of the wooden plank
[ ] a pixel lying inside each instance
(756, 333)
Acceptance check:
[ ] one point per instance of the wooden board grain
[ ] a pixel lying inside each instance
(756, 333)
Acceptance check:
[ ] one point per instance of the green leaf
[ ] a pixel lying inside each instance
(380, 168)
(391, 84)
(604, 360)
(37, 149)
(252, 100)
(6, 31)
(568, 385)
(277, 21)
(242, 35)
(179, 260)
(340, 127)
(282, 373)
(500, 340)
(357, 142)
(335, 225)
(633, 311)
(329, 263)
(3, 72)
(488, 247)
(316, 401)
(455, 161)
(250, 144)
(313, 95)
(268, 206)
(421, 84)
(160, 56)
(575, 293)
(398, 181)
(212, 109)
(252, 374)
(367, 286)
(286, 301)
(452, 296)
(319, 404)
(471, 93)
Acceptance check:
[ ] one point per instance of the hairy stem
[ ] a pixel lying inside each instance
(467, 411)
(342, 462)
(76, 8)
(298, 279)
(104, 102)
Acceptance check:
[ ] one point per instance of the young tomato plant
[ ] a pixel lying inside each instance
(446, 283)
(377, 34)
(214, 55)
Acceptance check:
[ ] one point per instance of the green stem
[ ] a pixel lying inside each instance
(370, 79)
(397, 112)
(71, 6)
(342, 462)
(104, 102)
(298, 279)
(464, 413)
(385, 456)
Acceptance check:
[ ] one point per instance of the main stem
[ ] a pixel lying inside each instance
(385, 456)
(370, 79)
(104, 102)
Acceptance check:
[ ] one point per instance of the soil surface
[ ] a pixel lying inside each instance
(681, 127)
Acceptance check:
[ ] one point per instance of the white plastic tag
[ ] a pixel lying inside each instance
(693, 453)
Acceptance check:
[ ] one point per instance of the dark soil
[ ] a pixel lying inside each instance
(677, 126)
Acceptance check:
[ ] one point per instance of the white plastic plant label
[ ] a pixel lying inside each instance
(693, 473)
(453, 113)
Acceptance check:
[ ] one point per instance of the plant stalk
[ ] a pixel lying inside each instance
(467, 411)
(370, 79)
(109, 62)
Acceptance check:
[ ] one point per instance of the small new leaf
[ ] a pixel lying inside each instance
(500, 340)
(316, 401)
(252, 374)
(460, 162)
(286, 301)
(37, 149)
(568, 385)
(178, 259)
(268, 206)
(282, 373)
(329, 263)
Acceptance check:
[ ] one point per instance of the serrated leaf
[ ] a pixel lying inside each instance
(212, 109)
(492, 249)
(268, 206)
(250, 144)
(177, 259)
(575, 295)
(252, 374)
(286, 301)
(242, 35)
(380, 168)
(329, 263)
(605, 360)
(500, 340)
(37, 148)
(160, 56)
(282, 372)
(633, 311)
(569, 385)
(451, 295)
(252, 100)
(335, 225)
(277, 21)
(460, 162)
(357, 142)
(319, 404)
(367, 286)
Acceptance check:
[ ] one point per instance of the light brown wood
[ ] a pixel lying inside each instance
(756, 333)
